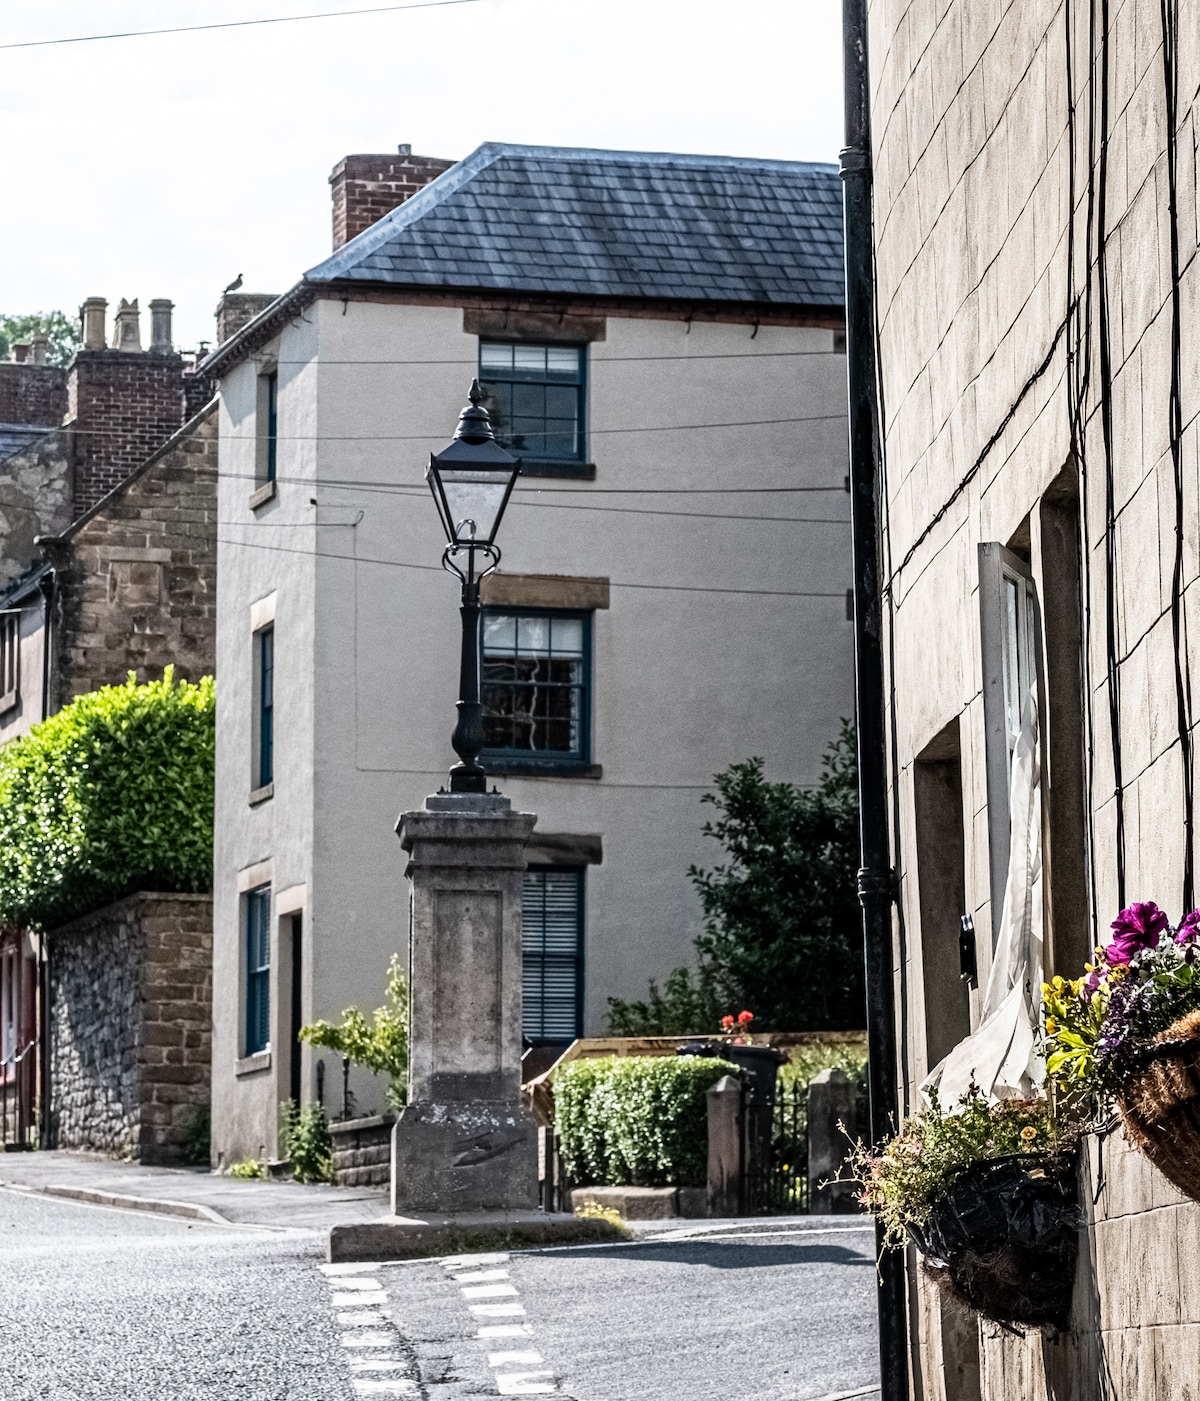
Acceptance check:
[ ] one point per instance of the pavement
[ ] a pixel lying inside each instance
(191, 1193)
(103, 1304)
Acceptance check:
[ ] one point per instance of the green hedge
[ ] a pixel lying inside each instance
(636, 1120)
(112, 794)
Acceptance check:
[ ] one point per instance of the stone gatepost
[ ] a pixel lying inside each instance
(464, 1143)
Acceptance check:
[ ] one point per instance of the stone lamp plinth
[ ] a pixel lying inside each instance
(464, 1142)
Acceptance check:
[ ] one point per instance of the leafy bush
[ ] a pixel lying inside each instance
(782, 924)
(62, 330)
(248, 1170)
(111, 795)
(381, 1044)
(640, 1121)
(689, 1005)
(306, 1140)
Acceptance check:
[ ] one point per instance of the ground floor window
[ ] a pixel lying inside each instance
(552, 965)
(257, 919)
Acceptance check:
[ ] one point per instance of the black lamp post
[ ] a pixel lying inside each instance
(471, 481)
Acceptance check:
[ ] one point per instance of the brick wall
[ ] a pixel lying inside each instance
(34, 394)
(365, 188)
(138, 578)
(130, 1011)
(122, 407)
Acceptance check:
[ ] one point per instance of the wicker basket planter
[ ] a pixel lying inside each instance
(1003, 1238)
(1160, 1105)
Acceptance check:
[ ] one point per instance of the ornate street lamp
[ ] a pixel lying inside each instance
(471, 481)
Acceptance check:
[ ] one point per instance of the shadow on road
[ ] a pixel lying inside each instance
(726, 1255)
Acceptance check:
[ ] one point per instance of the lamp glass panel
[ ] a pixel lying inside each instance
(474, 496)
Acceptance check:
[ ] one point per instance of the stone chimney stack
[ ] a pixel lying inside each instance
(160, 326)
(39, 348)
(127, 330)
(93, 314)
(365, 188)
(237, 309)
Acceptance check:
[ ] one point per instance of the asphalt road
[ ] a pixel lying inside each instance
(103, 1305)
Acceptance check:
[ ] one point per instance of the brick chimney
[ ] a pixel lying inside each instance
(237, 309)
(122, 402)
(365, 188)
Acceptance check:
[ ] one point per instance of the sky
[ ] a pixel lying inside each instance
(165, 166)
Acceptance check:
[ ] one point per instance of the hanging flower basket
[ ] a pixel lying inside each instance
(1160, 1104)
(1003, 1237)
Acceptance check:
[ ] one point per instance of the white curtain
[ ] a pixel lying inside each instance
(1000, 1057)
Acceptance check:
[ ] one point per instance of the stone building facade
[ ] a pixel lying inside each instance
(129, 994)
(1036, 236)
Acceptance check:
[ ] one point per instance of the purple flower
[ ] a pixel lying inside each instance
(1189, 928)
(1136, 928)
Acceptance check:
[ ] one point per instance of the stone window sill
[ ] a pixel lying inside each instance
(585, 471)
(253, 1065)
(260, 795)
(524, 768)
(261, 495)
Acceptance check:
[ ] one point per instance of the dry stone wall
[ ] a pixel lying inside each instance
(130, 1012)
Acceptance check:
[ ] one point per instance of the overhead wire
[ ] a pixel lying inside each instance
(233, 24)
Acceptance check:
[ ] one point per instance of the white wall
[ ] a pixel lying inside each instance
(720, 659)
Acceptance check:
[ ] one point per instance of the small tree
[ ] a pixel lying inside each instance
(381, 1044)
(781, 919)
(63, 334)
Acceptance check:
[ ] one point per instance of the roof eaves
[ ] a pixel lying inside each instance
(256, 332)
(25, 584)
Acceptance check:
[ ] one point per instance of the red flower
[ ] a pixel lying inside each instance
(745, 1018)
(727, 1023)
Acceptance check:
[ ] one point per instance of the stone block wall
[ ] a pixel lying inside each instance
(362, 1151)
(130, 1013)
(138, 577)
(35, 492)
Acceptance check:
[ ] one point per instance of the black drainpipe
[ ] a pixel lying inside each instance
(876, 878)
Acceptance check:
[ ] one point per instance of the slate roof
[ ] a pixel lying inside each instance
(16, 437)
(612, 224)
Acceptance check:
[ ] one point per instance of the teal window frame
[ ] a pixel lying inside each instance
(512, 394)
(552, 954)
(492, 684)
(256, 932)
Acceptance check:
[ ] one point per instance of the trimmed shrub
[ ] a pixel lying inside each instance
(637, 1121)
(111, 795)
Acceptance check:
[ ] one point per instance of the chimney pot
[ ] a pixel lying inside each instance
(160, 326)
(404, 150)
(127, 329)
(39, 348)
(93, 314)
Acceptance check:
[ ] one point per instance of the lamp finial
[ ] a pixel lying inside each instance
(475, 423)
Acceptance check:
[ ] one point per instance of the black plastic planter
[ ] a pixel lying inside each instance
(1003, 1239)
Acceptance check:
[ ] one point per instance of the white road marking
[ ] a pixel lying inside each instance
(363, 1284)
(368, 1318)
(466, 1262)
(393, 1386)
(479, 1276)
(849, 1395)
(526, 1383)
(488, 1291)
(368, 1296)
(506, 1330)
(515, 1359)
(498, 1310)
(376, 1364)
(368, 1339)
(365, 1268)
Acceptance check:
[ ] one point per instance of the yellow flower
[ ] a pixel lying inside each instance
(1057, 982)
(1051, 1026)
(1029, 1133)
(1045, 989)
